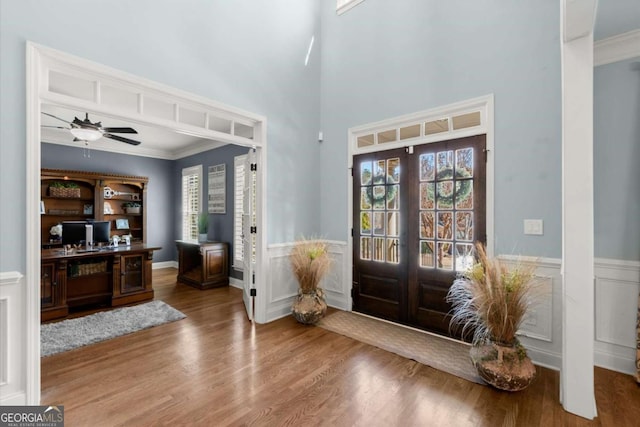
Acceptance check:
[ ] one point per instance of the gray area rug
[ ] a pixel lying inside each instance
(441, 353)
(73, 333)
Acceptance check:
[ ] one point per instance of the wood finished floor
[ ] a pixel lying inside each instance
(215, 369)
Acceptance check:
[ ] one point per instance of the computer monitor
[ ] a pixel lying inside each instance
(101, 231)
(75, 232)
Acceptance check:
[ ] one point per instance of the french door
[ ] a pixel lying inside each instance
(417, 214)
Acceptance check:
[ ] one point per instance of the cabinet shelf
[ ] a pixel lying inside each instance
(92, 203)
(79, 199)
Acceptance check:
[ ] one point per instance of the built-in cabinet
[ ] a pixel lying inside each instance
(76, 195)
(203, 265)
(105, 277)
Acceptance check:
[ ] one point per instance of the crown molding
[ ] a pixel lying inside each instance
(617, 48)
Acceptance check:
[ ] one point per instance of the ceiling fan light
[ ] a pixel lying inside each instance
(86, 134)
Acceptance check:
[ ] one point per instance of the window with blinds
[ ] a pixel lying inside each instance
(238, 187)
(191, 201)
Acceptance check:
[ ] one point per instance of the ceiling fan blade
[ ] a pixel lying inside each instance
(55, 127)
(120, 130)
(55, 117)
(121, 139)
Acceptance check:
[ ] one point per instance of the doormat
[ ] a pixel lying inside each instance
(74, 333)
(441, 353)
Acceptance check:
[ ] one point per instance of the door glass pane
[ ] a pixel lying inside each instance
(464, 194)
(427, 167)
(426, 254)
(445, 225)
(365, 222)
(366, 173)
(393, 251)
(427, 195)
(464, 226)
(445, 165)
(464, 163)
(378, 249)
(445, 195)
(393, 171)
(393, 197)
(378, 223)
(365, 198)
(464, 256)
(365, 248)
(426, 225)
(378, 172)
(445, 255)
(393, 223)
(378, 197)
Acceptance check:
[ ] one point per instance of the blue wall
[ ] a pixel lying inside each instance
(383, 59)
(245, 53)
(617, 154)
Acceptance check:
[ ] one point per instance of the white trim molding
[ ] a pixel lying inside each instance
(164, 264)
(617, 48)
(13, 380)
(617, 286)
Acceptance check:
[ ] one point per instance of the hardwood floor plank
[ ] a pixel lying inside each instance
(215, 368)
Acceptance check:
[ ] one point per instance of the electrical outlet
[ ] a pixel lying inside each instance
(533, 227)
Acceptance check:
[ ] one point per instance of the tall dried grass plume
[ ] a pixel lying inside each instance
(310, 262)
(492, 299)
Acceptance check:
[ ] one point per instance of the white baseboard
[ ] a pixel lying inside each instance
(16, 399)
(164, 264)
(236, 283)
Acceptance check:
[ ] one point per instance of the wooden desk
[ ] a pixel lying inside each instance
(203, 265)
(112, 276)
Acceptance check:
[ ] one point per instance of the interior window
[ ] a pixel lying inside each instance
(191, 201)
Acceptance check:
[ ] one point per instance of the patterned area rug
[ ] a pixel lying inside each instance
(74, 333)
(441, 353)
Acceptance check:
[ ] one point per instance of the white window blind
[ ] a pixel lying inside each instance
(238, 210)
(191, 201)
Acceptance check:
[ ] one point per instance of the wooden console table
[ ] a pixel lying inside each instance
(203, 265)
(111, 276)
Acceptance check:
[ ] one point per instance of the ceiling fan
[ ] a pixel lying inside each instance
(84, 130)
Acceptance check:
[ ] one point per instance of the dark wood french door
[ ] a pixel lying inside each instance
(417, 214)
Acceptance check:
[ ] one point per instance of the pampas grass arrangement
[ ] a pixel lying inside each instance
(492, 299)
(310, 262)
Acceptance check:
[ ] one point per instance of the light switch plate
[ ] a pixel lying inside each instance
(533, 227)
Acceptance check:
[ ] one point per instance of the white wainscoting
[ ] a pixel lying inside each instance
(13, 371)
(282, 287)
(617, 286)
(541, 331)
(616, 299)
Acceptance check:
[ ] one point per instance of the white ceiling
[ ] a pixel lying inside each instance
(155, 142)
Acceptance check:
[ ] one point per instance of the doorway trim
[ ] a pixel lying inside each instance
(40, 60)
(372, 137)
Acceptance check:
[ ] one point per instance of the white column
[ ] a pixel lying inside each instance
(576, 377)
